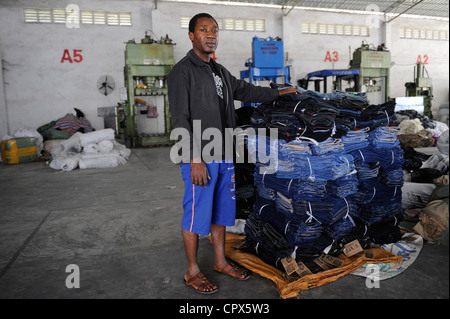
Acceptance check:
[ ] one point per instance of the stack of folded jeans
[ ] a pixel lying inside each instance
(314, 168)
(336, 176)
(377, 115)
(297, 115)
(355, 139)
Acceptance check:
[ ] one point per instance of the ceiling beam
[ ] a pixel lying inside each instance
(415, 4)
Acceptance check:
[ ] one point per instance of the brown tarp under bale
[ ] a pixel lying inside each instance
(294, 288)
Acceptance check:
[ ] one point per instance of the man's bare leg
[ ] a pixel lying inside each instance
(191, 249)
(220, 262)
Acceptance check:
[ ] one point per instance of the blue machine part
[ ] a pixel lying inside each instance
(333, 72)
(267, 53)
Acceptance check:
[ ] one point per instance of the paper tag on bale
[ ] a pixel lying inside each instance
(322, 264)
(352, 248)
(333, 261)
(302, 269)
(290, 265)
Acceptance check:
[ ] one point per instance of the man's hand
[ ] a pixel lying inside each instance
(199, 173)
(289, 90)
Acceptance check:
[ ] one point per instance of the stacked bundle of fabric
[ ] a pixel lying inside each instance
(304, 203)
(97, 149)
(297, 115)
(325, 186)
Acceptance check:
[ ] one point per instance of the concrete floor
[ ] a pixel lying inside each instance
(121, 227)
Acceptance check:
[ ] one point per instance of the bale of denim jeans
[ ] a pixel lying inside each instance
(253, 228)
(343, 186)
(326, 210)
(340, 228)
(314, 168)
(306, 253)
(384, 137)
(355, 139)
(385, 157)
(386, 231)
(330, 145)
(375, 211)
(296, 115)
(293, 188)
(379, 111)
(374, 191)
(392, 176)
(266, 254)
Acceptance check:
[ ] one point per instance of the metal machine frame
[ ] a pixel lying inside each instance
(267, 63)
(151, 62)
(422, 86)
(366, 65)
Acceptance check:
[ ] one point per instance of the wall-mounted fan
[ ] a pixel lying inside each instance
(106, 84)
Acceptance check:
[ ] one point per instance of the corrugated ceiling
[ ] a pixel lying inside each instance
(431, 8)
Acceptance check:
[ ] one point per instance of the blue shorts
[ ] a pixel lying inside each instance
(213, 204)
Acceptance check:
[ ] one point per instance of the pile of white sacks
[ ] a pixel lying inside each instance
(97, 149)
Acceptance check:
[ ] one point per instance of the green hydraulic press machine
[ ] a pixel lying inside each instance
(372, 64)
(422, 86)
(147, 66)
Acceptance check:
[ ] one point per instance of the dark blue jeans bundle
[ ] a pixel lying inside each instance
(338, 176)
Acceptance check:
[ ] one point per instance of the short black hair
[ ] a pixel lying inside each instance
(193, 21)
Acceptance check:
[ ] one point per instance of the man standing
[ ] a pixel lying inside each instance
(203, 91)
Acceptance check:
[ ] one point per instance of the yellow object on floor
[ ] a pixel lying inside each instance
(19, 150)
(293, 289)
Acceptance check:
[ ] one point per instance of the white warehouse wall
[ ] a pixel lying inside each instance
(37, 88)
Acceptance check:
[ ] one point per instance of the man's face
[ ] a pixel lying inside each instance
(205, 37)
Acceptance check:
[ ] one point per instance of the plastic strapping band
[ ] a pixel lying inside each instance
(293, 253)
(296, 106)
(289, 187)
(348, 163)
(351, 220)
(310, 214)
(285, 228)
(387, 116)
(362, 155)
(262, 208)
(264, 175)
(327, 249)
(302, 138)
(348, 208)
(310, 168)
(374, 192)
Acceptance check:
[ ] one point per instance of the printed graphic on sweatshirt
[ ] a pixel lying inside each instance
(219, 85)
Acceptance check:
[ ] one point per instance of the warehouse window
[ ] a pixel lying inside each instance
(313, 28)
(250, 25)
(364, 31)
(99, 17)
(334, 29)
(239, 25)
(406, 33)
(231, 24)
(59, 16)
(305, 27)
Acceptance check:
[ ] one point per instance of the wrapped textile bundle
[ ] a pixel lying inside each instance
(336, 176)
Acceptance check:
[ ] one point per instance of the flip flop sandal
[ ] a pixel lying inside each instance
(234, 271)
(200, 283)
